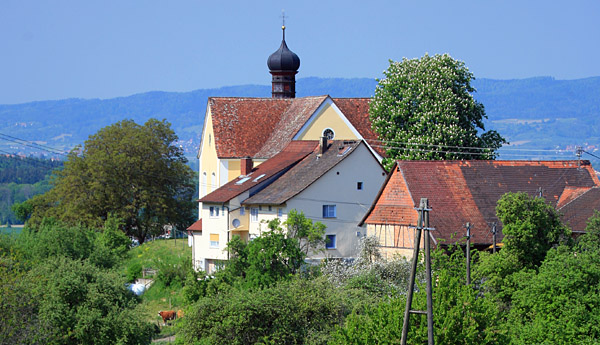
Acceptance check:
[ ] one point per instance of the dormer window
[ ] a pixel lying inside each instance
(259, 177)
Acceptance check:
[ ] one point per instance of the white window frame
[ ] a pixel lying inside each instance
(214, 244)
(254, 214)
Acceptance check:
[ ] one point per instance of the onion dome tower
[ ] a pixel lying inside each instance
(283, 66)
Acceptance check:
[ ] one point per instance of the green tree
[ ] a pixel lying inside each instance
(310, 236)
(424, 109)
(135, 172)
(461, 314)
(83, 304)
(560, 303)
(530, 227)
(300, 311)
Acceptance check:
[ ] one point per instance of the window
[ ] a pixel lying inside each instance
(204, 183)
(279, 212)
(213, 181)
(359, 185)
(216, 211)
(212, 211)
(329, 211)
(328, 133)
(214, 240)
(330, 242)
(270, 208)
(242, 211)
(254, 214)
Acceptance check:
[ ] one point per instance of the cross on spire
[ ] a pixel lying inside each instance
(283, 16)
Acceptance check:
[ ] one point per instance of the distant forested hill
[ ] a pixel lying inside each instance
(20, 179)
(534, 113)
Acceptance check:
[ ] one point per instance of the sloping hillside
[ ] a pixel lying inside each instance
(541, 113)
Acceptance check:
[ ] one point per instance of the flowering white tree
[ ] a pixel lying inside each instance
(424, 109)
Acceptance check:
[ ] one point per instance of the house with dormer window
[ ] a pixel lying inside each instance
(333, 182)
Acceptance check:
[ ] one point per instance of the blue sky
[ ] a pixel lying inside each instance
(108, 48)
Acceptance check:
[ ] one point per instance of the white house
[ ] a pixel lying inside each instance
(331, 182)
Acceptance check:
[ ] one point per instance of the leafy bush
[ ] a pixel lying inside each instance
(134, 271)
(461, 315)
(83, 304)
(52, 238)
(172, 270)
(292, 312)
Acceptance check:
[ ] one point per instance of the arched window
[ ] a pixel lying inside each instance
(203, 185)
(213, 181)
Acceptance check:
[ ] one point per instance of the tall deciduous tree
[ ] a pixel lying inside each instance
(424, 109)
(134, 172)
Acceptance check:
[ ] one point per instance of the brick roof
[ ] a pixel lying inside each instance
(292, 119)
(242, 125)
(467, 191)
(261, 127)
(289, 156)
(576, 212)
(303, 174)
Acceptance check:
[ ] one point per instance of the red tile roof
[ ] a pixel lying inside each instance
(292, 119)
(291, 154)
(576, 212)
(197, 226)
(261, 127)
(242, 125)
(305, 173)
(467, 191)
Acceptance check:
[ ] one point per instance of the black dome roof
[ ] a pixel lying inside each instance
(283, 59)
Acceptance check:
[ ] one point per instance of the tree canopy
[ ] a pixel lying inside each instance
(424, 109)
(134, 172)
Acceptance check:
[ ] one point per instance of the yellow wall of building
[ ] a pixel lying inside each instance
(327, 118)
(234, 170)
(209, 161)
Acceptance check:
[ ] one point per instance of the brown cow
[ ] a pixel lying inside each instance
(167, 315)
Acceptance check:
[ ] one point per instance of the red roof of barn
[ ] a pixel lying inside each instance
(261, 127)
(467, 191)
(291, 154)
(576, 212)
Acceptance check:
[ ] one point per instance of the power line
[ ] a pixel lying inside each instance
(31, 144)
(591, 154)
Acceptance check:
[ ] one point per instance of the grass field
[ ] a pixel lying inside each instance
(14, 229)
(151, 256)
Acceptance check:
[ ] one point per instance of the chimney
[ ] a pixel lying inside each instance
(246, 165)
(322, 145)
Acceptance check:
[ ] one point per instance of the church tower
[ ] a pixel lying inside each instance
(283, 66)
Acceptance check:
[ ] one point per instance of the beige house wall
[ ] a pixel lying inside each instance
(339, 187)
(395, 240)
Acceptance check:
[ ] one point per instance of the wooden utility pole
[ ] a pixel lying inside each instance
(468, 226)
(422, 224)
(494, 237)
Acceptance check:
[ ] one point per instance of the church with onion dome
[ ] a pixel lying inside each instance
(240, 133)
